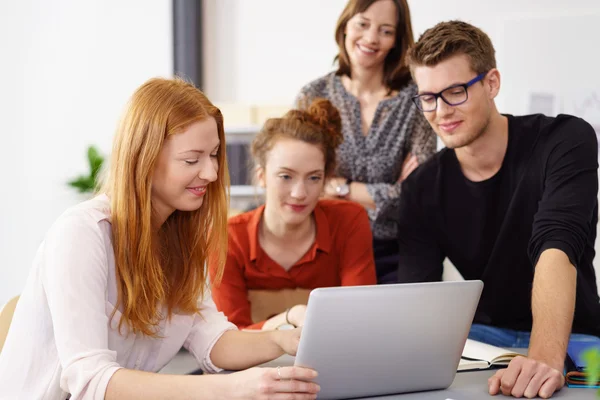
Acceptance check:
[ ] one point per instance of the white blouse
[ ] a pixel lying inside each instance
(60, 341)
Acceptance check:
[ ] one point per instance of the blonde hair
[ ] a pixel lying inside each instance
(167, 269)
(320, 124)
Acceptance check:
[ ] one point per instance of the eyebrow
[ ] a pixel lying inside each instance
(199, 151)
(365, 18)
(446, 88)
(311, 172)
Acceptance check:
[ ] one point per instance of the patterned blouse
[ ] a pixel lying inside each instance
(398, 128)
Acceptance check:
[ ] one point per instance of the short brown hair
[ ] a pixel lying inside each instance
(320, 124)
(395, 71)
(451, 38)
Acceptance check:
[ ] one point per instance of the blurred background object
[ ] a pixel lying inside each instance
(89, 183)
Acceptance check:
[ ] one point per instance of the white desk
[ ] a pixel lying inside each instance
(466, 386)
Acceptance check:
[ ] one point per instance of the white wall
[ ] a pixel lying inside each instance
(535, 48)
(67, 70)
(264, 51)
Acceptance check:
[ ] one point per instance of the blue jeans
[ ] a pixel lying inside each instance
(502, 337)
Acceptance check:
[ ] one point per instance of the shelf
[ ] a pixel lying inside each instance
(246, 191)
(240, 134)
(242, 130)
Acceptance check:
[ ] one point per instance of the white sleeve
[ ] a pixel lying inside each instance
(75, 269)
(207, 329)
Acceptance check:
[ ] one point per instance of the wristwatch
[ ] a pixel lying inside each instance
(343, 190)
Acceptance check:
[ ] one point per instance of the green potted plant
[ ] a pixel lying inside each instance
(88, 183)
(591, 358)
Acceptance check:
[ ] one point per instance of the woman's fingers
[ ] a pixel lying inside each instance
(291, 383)
(293, 396)
(296, 386)
(410, 164)
(298, 373)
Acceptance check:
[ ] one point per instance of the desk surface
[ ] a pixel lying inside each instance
(466, 386)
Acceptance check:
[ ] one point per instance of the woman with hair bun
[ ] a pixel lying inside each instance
(296, 241)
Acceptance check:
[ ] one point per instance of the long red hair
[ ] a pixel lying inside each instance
(165, 269)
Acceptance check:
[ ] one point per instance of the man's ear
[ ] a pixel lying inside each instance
(492, 82)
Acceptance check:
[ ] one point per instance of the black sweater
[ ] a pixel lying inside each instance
(544, 196)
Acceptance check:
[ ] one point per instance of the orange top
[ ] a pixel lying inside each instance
(342, 255)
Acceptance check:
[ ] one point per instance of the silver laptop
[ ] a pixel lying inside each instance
(376, 340)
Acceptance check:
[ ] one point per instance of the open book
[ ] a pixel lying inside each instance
(477, 355)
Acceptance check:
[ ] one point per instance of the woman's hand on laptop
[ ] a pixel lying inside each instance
(526, 377)
(274, 383)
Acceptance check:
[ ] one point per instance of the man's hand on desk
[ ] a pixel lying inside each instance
(526, 377)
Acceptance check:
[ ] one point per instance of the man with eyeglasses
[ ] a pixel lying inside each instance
(511, 200)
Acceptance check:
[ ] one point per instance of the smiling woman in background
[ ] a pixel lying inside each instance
(385, 136)
(119, 284)
(295, 241)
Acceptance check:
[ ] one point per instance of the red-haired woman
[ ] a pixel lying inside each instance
(119, 284)
(296, 241)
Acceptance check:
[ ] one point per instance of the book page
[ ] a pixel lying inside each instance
(492, 354)
(465, 365)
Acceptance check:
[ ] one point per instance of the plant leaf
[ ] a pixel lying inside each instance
(87, 184)
(84, 184)
(95, 160)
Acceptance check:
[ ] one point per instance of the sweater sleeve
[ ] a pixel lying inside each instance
(75, 282)
(422, 143)
(304, 97)
(564, 215)
(207, 329)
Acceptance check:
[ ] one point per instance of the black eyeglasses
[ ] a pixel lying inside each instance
(453, 95)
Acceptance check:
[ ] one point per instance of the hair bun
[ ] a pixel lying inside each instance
(324, 114)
